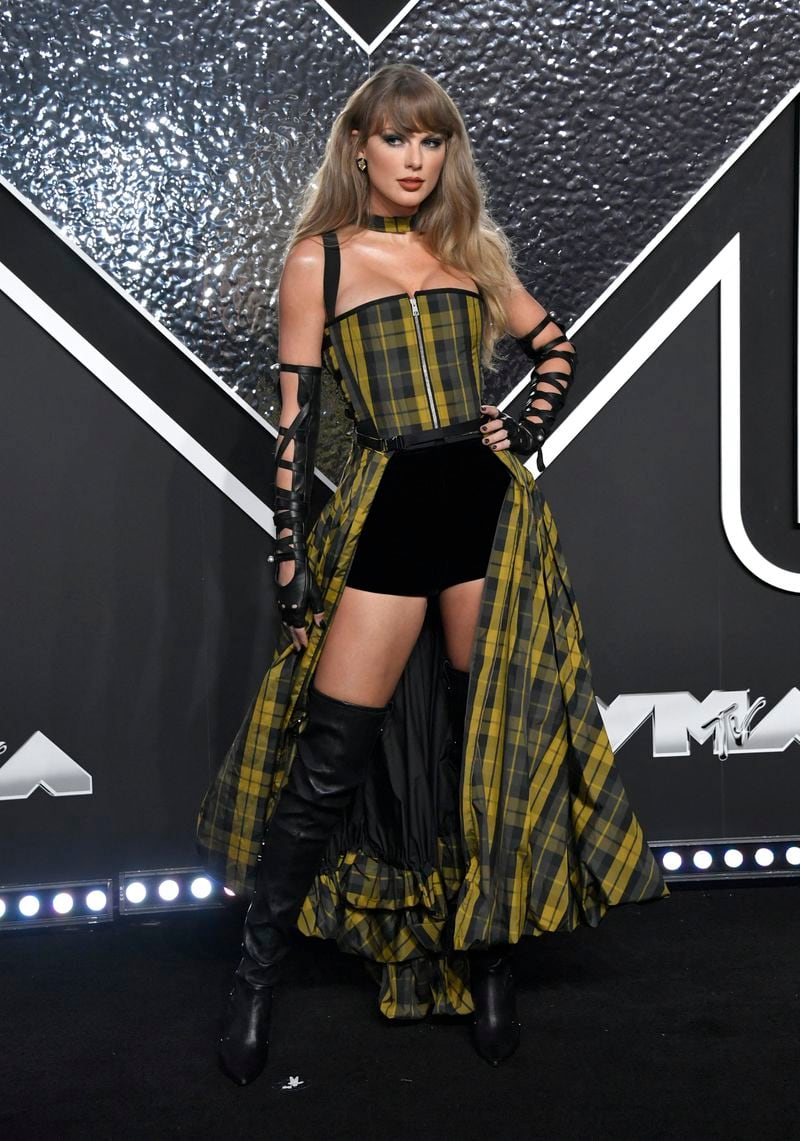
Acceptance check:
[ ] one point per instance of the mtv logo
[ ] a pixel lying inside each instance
(39, 763)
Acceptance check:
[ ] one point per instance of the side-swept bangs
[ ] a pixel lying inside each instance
(410, 110)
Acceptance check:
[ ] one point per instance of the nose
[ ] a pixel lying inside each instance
(414, 156)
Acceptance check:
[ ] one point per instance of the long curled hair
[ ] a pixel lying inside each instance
(454, 219)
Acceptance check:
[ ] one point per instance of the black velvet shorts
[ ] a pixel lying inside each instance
(432, 521)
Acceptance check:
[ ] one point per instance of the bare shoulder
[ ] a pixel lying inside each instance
(304, 264)
(300, 295)
(301, 304)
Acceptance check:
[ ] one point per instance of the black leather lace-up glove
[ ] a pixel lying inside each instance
(292, 504)
(527, 436)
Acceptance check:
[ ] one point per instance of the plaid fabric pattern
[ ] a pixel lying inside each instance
(374, 353)
(545, 839)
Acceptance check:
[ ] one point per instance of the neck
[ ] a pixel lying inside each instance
(392, 223)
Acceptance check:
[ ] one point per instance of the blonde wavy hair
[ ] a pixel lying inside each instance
(454, 218)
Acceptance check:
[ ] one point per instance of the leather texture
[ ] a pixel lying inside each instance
(468, 429)
(495, 1028)
(525, 435)
(244, 1044)
(333, 755)
(292, 504)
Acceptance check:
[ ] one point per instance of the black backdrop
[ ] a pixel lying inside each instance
(138, 617)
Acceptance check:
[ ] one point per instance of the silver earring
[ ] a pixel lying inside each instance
(361, 162)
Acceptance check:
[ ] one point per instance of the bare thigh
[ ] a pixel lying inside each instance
(367, 645)
(459, 606)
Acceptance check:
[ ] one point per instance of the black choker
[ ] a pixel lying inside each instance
(392, 223)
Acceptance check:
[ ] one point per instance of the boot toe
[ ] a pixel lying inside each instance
(495, 1043)
(240, 1069)
(244, 1043)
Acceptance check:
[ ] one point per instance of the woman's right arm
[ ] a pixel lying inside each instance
(301, 322)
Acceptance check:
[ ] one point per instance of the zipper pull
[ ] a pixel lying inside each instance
(414, 308)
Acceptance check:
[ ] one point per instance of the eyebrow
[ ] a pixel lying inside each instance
(398, 131)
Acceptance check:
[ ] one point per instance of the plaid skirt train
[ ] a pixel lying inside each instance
(534, 834)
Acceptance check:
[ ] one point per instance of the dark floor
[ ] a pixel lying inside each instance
(674, 1020)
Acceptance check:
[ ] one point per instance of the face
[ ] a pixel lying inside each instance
(392, 158)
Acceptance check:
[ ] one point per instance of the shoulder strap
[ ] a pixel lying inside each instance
(330, 284)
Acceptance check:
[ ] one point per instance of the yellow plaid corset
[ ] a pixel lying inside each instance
(408, 363)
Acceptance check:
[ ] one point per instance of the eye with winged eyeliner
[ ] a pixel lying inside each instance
(435, 140)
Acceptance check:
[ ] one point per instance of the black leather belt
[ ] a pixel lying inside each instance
(423, 439)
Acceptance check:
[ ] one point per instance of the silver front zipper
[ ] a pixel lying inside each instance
(428, 389)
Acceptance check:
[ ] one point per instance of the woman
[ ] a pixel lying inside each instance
(426, 753)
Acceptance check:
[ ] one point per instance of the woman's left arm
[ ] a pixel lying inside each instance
(544, 341)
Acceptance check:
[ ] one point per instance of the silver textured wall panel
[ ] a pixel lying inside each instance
(171, 141)
(595, 122)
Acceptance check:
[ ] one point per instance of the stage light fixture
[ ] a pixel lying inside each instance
(180, 889)
(55, 904)
(740, 857)
(167, 889)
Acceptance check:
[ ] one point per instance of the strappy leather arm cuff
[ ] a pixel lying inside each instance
(531, 434)
(292, 504)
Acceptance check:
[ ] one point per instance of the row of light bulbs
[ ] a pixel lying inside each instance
(186, 888)
(174, 888)
(56, 904)
(168, 890)
(62, 903)
(732, 857)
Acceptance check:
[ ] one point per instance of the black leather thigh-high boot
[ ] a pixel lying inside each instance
(333, 753)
